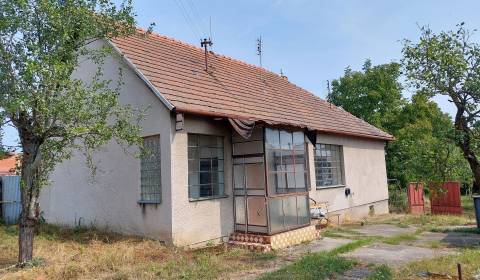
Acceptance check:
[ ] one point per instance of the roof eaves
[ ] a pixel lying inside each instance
(139, 73)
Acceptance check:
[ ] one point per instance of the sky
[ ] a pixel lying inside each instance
(312, 41)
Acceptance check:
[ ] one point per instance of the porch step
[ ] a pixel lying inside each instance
(257, 247)
(266, 243)
(251, 238)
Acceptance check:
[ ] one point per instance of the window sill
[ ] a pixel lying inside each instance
(141, 202)
(331, 187)
(207, 198)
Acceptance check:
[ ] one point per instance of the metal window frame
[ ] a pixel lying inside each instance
(158, 192)
(337, 164)
(218, 172)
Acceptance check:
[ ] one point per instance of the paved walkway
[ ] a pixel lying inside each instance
(375, 253)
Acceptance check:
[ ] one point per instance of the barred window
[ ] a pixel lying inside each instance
(329, 170)
(205, 166)
(286, 161)
(150, 178)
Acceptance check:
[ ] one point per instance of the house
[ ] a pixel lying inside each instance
(8, 164)
(233, 148)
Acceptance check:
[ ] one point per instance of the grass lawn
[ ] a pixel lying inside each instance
(90, 254)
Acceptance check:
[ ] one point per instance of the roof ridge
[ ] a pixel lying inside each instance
(142, 30)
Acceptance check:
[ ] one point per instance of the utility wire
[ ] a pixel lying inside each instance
(188, 19)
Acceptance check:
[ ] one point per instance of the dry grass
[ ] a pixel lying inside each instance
(444, 267)
(90, 254)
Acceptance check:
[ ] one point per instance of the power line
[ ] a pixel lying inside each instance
(190, 23)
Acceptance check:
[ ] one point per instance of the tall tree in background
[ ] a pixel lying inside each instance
(424, 149)
(448, 63)
(41, 42)
(373, 94)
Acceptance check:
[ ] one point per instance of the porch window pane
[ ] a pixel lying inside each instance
(150, 178)
(239, 210)
(286, 161)
(275, 210)
(205, 166)
(329, 168)
(255, 176)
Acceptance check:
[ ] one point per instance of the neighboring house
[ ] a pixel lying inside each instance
(202, 180)
(8, 164)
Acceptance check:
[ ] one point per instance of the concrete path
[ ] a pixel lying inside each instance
(393, 255)
(385, 230)
(376, 253)
(450, 239)
(291, 254)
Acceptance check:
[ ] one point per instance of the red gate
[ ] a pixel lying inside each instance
(415, 198)
(446, 201)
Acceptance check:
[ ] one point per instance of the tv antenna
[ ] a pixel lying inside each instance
(205, 43)
(259, 49)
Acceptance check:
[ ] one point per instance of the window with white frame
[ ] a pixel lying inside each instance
(150, 178)
(205, 166)
(329, 170)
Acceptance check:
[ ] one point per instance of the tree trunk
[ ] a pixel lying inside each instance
(475, 167)
(463, 141)
(25, 239)
(30, 191)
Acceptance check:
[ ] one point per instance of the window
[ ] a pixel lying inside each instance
(329, 165)
(205, 166)
(286, 161)
(150, 178)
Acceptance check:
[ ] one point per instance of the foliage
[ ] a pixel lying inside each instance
(373, 94)
(424, 149)
(42, 44)
(448, 63)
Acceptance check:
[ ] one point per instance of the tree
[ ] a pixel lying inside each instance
(373, 94)
(448, 63)
(55, 113)
(424, 149)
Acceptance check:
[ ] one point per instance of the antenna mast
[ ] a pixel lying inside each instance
(259, 49)
(205, 43)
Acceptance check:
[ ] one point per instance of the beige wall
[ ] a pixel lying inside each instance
(365, 175)
(197, 222)
(111, 200)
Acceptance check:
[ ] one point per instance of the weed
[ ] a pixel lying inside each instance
(447, 265)
(352, 246)
(313, 266)
(397, 239)
(381, 272)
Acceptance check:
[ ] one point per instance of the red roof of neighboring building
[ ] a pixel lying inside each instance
(233, 88)
(8, 164)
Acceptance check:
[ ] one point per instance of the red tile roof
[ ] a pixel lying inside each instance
(8, 164)
(233, 88)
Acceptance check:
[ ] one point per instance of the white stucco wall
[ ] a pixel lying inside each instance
(111, 200)
(365, 175)
(197, 222)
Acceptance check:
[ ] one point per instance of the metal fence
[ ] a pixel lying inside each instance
(10, 199)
